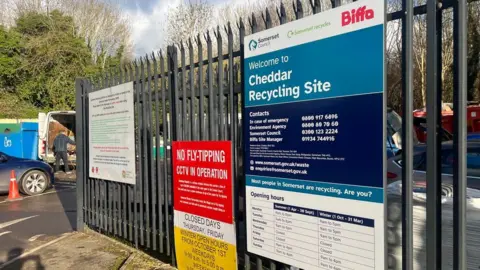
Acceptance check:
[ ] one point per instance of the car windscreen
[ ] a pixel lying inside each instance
(394, 129)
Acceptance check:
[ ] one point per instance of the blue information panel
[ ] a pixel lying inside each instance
(314, 139)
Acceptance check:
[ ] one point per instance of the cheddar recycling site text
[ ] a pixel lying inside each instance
(284, 90)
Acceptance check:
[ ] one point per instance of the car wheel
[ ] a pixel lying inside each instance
(34, 182)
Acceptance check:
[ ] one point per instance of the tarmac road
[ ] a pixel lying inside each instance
(36, 220)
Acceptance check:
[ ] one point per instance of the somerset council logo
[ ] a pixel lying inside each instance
(253, 44)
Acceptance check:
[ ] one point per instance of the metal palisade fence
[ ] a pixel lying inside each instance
(194, 92)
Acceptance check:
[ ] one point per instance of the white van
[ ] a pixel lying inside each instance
(47, 133)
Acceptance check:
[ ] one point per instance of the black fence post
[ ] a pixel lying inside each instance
(172, 89)
(407, 136)
(460, 11)
(80, 95)
(434, 244)
(240, 187)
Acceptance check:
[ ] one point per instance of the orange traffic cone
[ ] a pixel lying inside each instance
(13, 194)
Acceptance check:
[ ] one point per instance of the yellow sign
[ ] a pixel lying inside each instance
(196, 251)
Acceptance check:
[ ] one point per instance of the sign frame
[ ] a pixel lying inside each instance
(114, 96)
(199, 195)
(384, 120)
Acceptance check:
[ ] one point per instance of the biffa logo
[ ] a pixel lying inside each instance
(357, 15)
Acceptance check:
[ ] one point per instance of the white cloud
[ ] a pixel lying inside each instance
(148, 26)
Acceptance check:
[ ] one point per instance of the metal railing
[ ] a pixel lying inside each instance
(184, 94)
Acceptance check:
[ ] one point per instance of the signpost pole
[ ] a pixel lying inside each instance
(80, 96)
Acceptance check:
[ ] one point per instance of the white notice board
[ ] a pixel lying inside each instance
(111, 133)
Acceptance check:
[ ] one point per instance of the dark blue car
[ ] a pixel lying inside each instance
(475, 136)
(33, 177)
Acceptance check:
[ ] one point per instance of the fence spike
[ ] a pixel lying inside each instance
(283, 13)
(253, 23)
(216, 32)
(219, 33)
(190, 44)
(229, 28)
(207, 36)
(299, 10)
(278, 12)
(171, 50)
(268, 19)
(199, 39)
(241, 24)
(153, 56)
(316, 6)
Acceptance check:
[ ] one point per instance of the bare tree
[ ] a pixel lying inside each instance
(103, 26)
(187, 20)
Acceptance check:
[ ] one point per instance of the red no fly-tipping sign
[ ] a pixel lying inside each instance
(202, 179)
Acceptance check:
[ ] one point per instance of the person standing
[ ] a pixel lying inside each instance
(60, 149)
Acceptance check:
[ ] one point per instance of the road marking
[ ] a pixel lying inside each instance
(7, 263)
(10, 223)
(50, 192)
(35, 237)
(3, 233)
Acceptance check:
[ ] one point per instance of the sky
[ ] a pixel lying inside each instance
(147, 21)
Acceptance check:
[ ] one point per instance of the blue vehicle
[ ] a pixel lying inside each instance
(473, 136)
(33, 176)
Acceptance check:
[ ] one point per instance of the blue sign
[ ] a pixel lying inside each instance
(314, 139)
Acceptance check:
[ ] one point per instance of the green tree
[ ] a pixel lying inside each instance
(54, 58)
(11, 48)
(39, 60)
(11, 106)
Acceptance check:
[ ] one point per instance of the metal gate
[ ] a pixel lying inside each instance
(195, 93)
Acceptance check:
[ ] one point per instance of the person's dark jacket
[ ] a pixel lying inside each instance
(60, 143)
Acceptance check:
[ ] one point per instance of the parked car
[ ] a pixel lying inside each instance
(394, 133)
(33, 176)
(394, 165)
(419, 196)
(473, 136)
